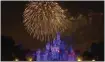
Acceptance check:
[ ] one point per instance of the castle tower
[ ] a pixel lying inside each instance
(71, 56)
(57, 40)
(55, 47)
(38, 53)
(56, 51)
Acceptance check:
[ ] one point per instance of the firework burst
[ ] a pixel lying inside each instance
(44, 19)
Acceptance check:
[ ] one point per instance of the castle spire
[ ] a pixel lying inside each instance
(58, 36)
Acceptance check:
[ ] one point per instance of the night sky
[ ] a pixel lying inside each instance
(11, 24)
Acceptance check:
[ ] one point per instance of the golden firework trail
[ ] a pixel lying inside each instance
(44, 19)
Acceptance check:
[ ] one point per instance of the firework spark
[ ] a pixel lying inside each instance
(44, 19)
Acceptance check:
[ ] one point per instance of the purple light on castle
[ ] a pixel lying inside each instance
(56, 51)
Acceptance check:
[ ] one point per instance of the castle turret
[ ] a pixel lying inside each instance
(56, 50)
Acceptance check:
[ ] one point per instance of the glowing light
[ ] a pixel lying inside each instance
(79, 59)
(58, 51)
(16, 59)
(93, 60)
(30, 59)
(44, 19)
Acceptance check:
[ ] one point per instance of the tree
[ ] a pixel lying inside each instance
(7, 44)
(96, 52)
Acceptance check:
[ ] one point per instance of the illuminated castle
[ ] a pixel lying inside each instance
(56, 51)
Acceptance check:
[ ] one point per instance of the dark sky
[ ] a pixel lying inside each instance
(11, 24)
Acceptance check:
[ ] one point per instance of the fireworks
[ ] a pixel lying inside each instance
(78, 22)
(44, 19)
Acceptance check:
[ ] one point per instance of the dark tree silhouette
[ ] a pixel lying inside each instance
(10, 51)
(7, 44)
(96, 52)
(18, 52)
